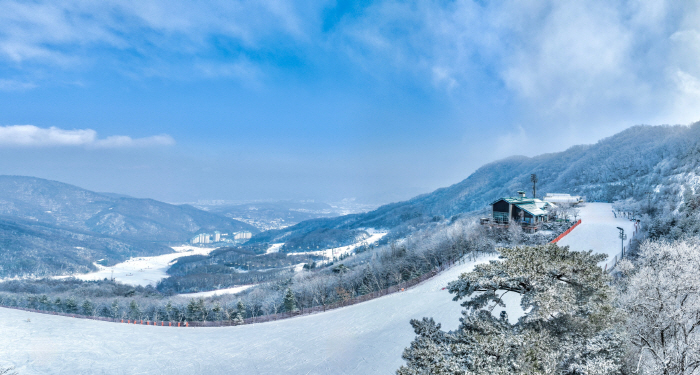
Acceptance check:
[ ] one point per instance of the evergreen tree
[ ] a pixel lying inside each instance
(115, 309)
(134, 311)
(192, 310)
(568, 326)
(240, 313)
(71, 306)
(290, 304)
(169, 310)
(87, 308)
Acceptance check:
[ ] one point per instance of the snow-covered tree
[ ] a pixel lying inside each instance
(134, 310)
(568, 326)
(290, 304)
(662, 299)
(240, 313)
(88, 308)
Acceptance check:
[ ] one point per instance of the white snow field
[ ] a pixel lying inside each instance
(367, 338)
(598, 232)
(143, 270)
(344, 250)
(218, 292)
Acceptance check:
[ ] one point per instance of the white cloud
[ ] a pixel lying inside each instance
(33, 136)
(14, 85)
(63, 33)
(596, 64)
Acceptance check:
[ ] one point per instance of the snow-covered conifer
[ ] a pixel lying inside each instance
(290, 304)
(568, 326)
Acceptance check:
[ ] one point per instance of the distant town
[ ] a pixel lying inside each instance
(235, 237)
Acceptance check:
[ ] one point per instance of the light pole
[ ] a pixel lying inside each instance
(648, 194)
(623, 237)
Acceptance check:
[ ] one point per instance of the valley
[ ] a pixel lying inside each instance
(373, 333)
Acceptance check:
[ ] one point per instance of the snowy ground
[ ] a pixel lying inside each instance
(366, 338)
(218, 292)
(274, 248)
(344, 250)
(143, 270)
(598, 232)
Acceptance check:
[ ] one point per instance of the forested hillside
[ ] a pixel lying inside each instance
(38, 249)
(627, 165)
(53, 202)
(48, 227)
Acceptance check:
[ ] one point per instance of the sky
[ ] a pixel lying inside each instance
(376, 101)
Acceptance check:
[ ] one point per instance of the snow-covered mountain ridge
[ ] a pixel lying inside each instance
(656, 159)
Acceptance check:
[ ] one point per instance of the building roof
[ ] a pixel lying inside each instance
(533, 206)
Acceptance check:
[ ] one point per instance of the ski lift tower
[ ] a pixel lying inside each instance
(623, 237)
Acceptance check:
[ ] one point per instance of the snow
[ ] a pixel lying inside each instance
(218, 292)
(367, 338)
(598, 232)
(344, 250)
(142, 270)
(274, 248)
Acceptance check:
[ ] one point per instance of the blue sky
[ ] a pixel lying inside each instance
(374, 100)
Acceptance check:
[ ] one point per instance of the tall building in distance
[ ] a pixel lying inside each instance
(206, 238)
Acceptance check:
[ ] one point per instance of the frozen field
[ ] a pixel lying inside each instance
(598, 231)
(366, 338)
(143, 270)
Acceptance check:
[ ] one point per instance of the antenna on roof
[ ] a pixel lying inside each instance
(533, 178)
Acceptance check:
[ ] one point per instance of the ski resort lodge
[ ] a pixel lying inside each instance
(528, 212)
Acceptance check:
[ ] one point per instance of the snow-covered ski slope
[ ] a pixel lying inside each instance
(367, 338)
(143, 270)
(598, 231)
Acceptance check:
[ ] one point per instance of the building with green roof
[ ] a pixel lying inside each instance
(522, 210)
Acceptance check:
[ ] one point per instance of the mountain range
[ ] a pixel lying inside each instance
(55, 227)
(642, 159)
(52, 227)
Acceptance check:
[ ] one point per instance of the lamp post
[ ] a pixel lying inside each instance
(623, 237)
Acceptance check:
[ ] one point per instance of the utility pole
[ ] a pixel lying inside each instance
(648, 194)
(623, 237)
(533, 178)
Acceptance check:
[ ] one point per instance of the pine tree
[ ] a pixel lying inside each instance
(71, 306)
(290, 304)
(134, 311)
(115, 308)
(240, 313)
(87, 308)
(169, 310)
(568, 327)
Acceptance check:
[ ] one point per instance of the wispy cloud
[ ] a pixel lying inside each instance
(15, 85)
(33, 136)
(564, 58)
(74, 33)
